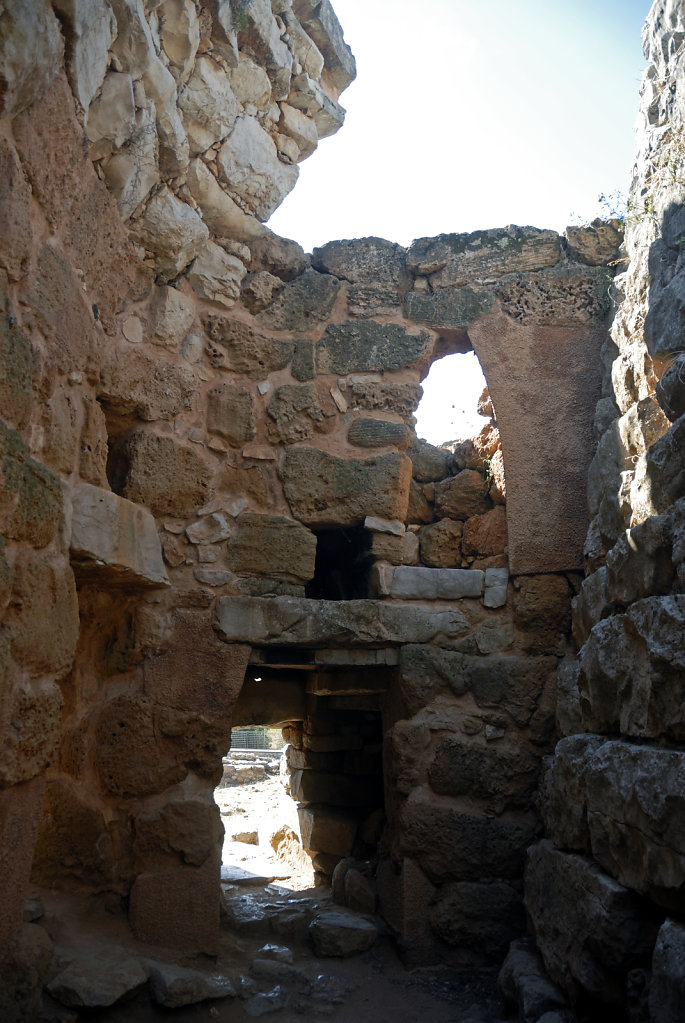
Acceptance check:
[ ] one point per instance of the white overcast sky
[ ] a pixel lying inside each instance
(470, 114)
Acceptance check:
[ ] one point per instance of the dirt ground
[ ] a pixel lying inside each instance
(276, 975)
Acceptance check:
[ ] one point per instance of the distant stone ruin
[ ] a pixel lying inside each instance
(214, 511)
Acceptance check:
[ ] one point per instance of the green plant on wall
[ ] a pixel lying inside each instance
(240, 14)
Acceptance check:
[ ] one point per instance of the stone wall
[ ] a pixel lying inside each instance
(605, 891)
(209, 459)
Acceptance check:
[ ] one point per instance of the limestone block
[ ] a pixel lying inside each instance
(302, 303)
(219, 211)
(307, 94)
(523, 983)
(480, 920)
(456, 259)
(322, 489)
(501, 775)
(376, 525)
(172, 315)
(212, 528)
(667, 987)
(369, 347)
(559, 296)
(133, 46)
(99, 980)
(258, 291)
(495, 593)
(16, 235)
(73, 843)
(341, 933)
(568, 698)
(111, 117)
(462, 496)
(180, 35)
(324, 829)
(249, 164)
(453, 844)
(16, 371)
(428, 462)
(333, 789)
(43, 622)
(296, 413)
(26, 962)
(216, 275)
(374, 269)
(271, 545)
(640, 564)
(596, 244)
(166, 476)
(131, 172)
(174, 986)
(208, 105)
(250, 83)
(440, 544)
(300, 128)
(566, 810)
(152, 386)
(636, 825)
(303, 47)
(31, 497)
(31, 50)
(259, 32)
(448, 309)
(160, 87)
(591, 605)
(196, 671)
(542, 612)
(230, 413)
(172, 231)
(631, 671)
(294, 621)
(413, 583)
(666, 467)
(114, 539)
(178, 908)
(486, 535)
(324, 28)
(90, 31)
(378, 433)
(190, 827)
(31, 733)
(247, 351)
(419, 508)
(602, 933)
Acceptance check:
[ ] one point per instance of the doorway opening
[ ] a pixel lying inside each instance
(449, 410)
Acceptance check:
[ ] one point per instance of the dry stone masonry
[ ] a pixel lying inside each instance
(215, 511)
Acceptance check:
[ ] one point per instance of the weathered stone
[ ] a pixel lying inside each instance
(341, 933)
(429, 463)
(172, 317)
(418, 583)
(640, 564)
(302, 303)
(289, 621)
(670, 389)
(133, 759)
(452, 844)
(369, 347)
(174, 986)
(133, 46)
(524, 984)
(561, 296)
(303, 48)
(180, 35)
(370, 392)
(419, 508)
(26, 962)
(114, 539)
(43, 623)
(210, 529)
(249, 164)
(259, 32)
(448, 309)
(591, 605)
(478, 920)
(98, 981)
(322, 489)
(486, 534)
(16, 235)
(131, 172)
(216, 275)
(300, 129)
(462, 496)
(542, 612)
(172, 231)
(230, 413)
(31, 498)
(208, 105)
(271, 545)
(666, 468)
(378, 433)
(73, 843)
(324, 28)
(374, 269)
(189, 827)
(16, 373)
(31, 50)
(603, 933)
(178, 908)
(33, 729)
(504, 776)
(111, 116)
(251, 83)
(221, 214)
(633, 794)
(247, 351)
(568, 698)
(456, 259)
(90, 31)
(308, 95)
(566, 812)
(496, 582)
(596, 244)
(424, 672)
(167, 477)
(258, 290)
(160, 87)
(631, 671)
(150, 385)
(667, 988)
(325, 829)
(296, 413)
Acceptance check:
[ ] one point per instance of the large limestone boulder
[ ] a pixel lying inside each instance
(208, 105)
(375, 270)
(324, 490)
(369, 347)
(271, 545)
(172, 231)
(168, 477)
(667, 989)
(31, 50)
(249, 165)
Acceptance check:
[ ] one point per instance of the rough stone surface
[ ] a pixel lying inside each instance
(273, 546)
(175, 986)
(339, 933)
(102, 980)
(462, 496)
(667, 990)
(167, 477)
(367, 347)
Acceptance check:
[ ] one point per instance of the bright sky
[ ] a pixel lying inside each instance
(470, 115)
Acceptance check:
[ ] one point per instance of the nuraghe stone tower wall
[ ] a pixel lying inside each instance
(214, 509)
